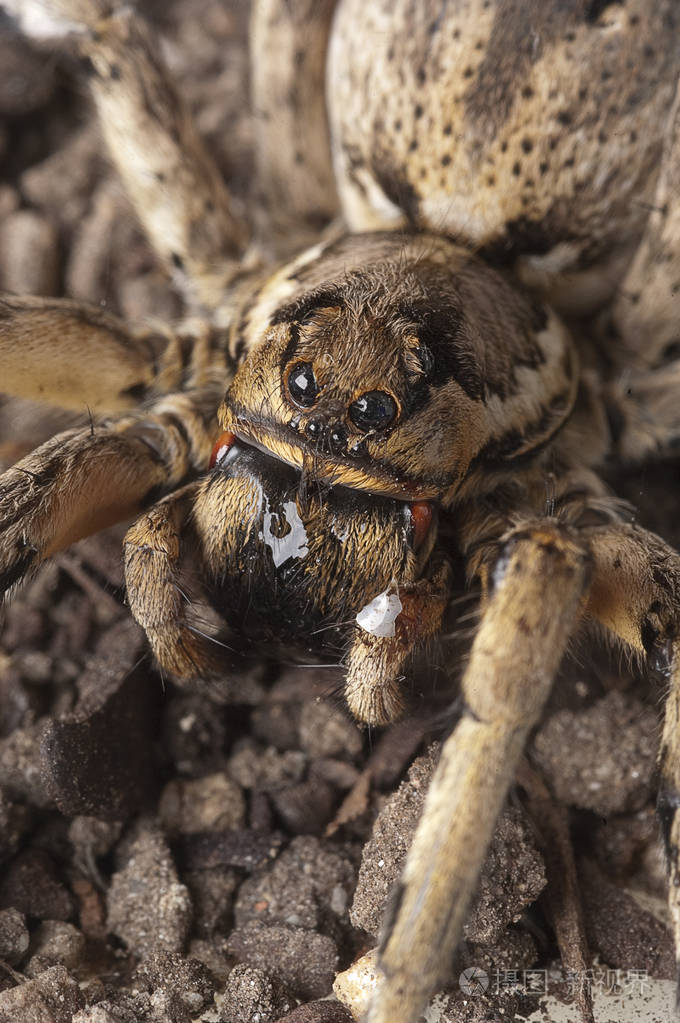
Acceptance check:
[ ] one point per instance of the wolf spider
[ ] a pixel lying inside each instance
(399, 392)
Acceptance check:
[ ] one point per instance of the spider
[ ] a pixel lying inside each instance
(492, 315)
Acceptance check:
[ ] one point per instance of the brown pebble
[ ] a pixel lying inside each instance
(307, 884)
(326, 732)
(601, 758)
(53, 997)
(319, 1012)
(242, 849)
(251, 994)
(212, 895)
(30, 884)
(212, 803)
(182, 979)
(267, 770)
(384, 854)
(147, 906)
(14, 937)
(305, 962)
(55, 943)
(625, 935)
(305, 809)
(99, 761)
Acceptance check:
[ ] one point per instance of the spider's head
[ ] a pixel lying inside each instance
(399, 366)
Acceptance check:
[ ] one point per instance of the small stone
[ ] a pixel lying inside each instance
(55, 943)
(147, 906)
(276, 723)
(208, 953)
(384, 854)
(268, 770)
(10, 200)
(306, 884)
(326, 732)
(99, 761)
(213, 803)
(511, 879)
(626, 936)
(20, 770)
(513, 876)
(30, 884)
(14, 937)
(124, 1007)
(355, 986)
(184, 980)
(63, 182)
(306, 808)
(601, 758)
(53, 997)
(243, 849)
(251, 994)
(305, 962)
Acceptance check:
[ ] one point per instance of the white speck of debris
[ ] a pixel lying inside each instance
(381, 863)
(187, 722)
(378, 616)
(293, 544)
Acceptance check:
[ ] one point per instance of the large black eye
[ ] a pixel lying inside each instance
(302, 384)
(373, 411)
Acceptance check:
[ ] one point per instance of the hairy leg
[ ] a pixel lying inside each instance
(83, 480)
(292, 144)
(538, 587)
(74, 356)
(152, 551)
(374, 683)
(174, 186)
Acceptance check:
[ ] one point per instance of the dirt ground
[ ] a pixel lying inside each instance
(171, 855)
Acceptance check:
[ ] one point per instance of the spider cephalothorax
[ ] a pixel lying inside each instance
(392, 400)
(393, 374)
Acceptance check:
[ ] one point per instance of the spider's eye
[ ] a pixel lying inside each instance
(373, 411)
(302, 384)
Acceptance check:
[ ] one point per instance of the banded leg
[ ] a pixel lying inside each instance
(174, 186)
(74, 356)
(292, 143)
(84, 480)
(538, 588)
(374, 687)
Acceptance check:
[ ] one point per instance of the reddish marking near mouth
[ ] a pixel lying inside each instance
(421, 515)
(222, 445)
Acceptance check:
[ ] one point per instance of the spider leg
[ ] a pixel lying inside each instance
(75, 356)
(152, 554)
(289, 103)
(645, 318)
(177, 192)
(375, 664)
(83, 480)
(538, 588)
